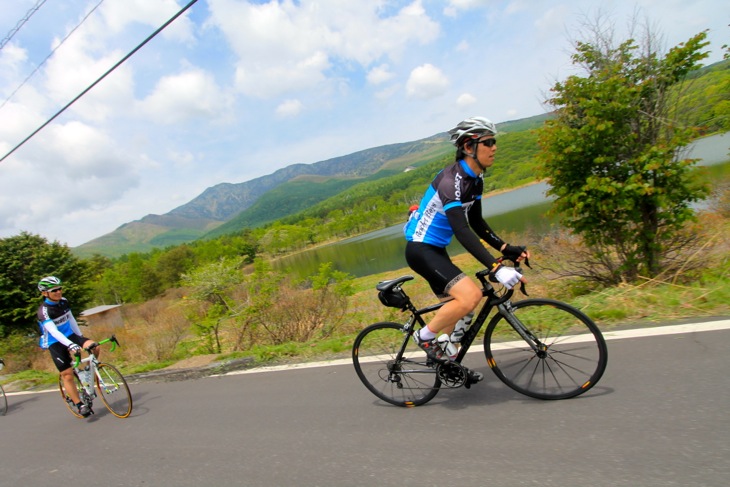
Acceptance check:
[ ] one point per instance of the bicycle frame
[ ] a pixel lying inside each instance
(502, 303)
(93, 363)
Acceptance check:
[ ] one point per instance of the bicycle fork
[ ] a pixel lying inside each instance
(539, 347)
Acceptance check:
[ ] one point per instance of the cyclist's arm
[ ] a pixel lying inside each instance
(482, 228)
(74, 325)
(467, 238)
(52, 330)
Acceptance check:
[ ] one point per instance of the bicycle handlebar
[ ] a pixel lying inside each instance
(488, 289)
(112, 339)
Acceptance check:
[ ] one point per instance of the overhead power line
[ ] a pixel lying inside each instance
(49, 55)
(21, 22)
(109, 71)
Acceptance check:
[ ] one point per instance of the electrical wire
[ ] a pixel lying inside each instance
(110, 70)
(32, 73)
(21, 22)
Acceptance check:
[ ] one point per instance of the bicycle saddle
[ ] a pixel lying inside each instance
(388, 285)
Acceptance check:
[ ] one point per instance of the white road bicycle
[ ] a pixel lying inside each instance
(110, 383)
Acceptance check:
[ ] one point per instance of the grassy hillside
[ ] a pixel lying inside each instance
(305, 192)
(305, 197)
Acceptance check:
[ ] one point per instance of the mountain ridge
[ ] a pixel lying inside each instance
(214, 211)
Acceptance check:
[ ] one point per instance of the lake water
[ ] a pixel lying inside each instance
(513, 211)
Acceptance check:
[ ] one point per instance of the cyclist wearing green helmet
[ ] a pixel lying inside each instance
(60, 334)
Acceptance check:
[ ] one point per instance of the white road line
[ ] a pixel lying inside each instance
(608, 335)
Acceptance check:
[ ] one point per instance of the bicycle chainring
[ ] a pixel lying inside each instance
(451, 374)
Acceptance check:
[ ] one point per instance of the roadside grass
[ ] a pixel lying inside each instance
(654, 301)
(28, 379)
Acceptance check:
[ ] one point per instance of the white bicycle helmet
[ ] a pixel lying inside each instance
(48, 283)
(472, 128)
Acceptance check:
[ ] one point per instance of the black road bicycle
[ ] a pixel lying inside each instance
(542, 348)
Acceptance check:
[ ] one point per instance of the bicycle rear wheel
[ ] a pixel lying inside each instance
(81, 392)
(409, 381)
(572, 357)
(3, 402)
(114, 390)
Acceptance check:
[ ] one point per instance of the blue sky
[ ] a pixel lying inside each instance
(236, 89)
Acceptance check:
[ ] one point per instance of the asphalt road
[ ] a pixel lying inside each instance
(659, 417)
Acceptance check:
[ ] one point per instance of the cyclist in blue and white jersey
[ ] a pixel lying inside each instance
(452, 207)
(60, 334)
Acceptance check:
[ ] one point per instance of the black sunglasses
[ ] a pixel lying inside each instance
(55, 290)
(488, 142)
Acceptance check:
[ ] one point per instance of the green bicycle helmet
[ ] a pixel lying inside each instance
(48, 283)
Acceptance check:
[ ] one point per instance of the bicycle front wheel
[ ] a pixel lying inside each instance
(114, 390)
(568, 359)
(3, 402)
(407, 381)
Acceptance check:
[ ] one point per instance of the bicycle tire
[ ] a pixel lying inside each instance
(67, 400)
(409, 382)
(572, 363)
(113, 390)
(3, 402)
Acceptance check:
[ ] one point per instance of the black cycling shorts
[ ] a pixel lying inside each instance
(59, 352)
(434, 265)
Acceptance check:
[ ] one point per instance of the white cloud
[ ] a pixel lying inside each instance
(279, 79)
(118, 16)
(426, 81)
(286, 47)
(192, 94)
(455, 7)
(289, 108)
(552, 21)
(11, 58)
(76, 167)
(466, 100)
(387, 92)
(380, 74)
(463, 46)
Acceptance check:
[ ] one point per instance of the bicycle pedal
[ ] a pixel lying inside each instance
(472, 378)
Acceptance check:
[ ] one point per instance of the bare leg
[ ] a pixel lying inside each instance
(69, 384)
(466, 296)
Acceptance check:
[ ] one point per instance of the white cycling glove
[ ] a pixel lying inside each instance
(508, 276)
(73, 349)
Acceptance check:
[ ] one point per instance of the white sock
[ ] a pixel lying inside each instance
(425, 334)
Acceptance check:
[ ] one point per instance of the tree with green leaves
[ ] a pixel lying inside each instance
(24, 260)
(612, 153)
(213, 284)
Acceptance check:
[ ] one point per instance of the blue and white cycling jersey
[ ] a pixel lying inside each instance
(56, 322)
(455, 186)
